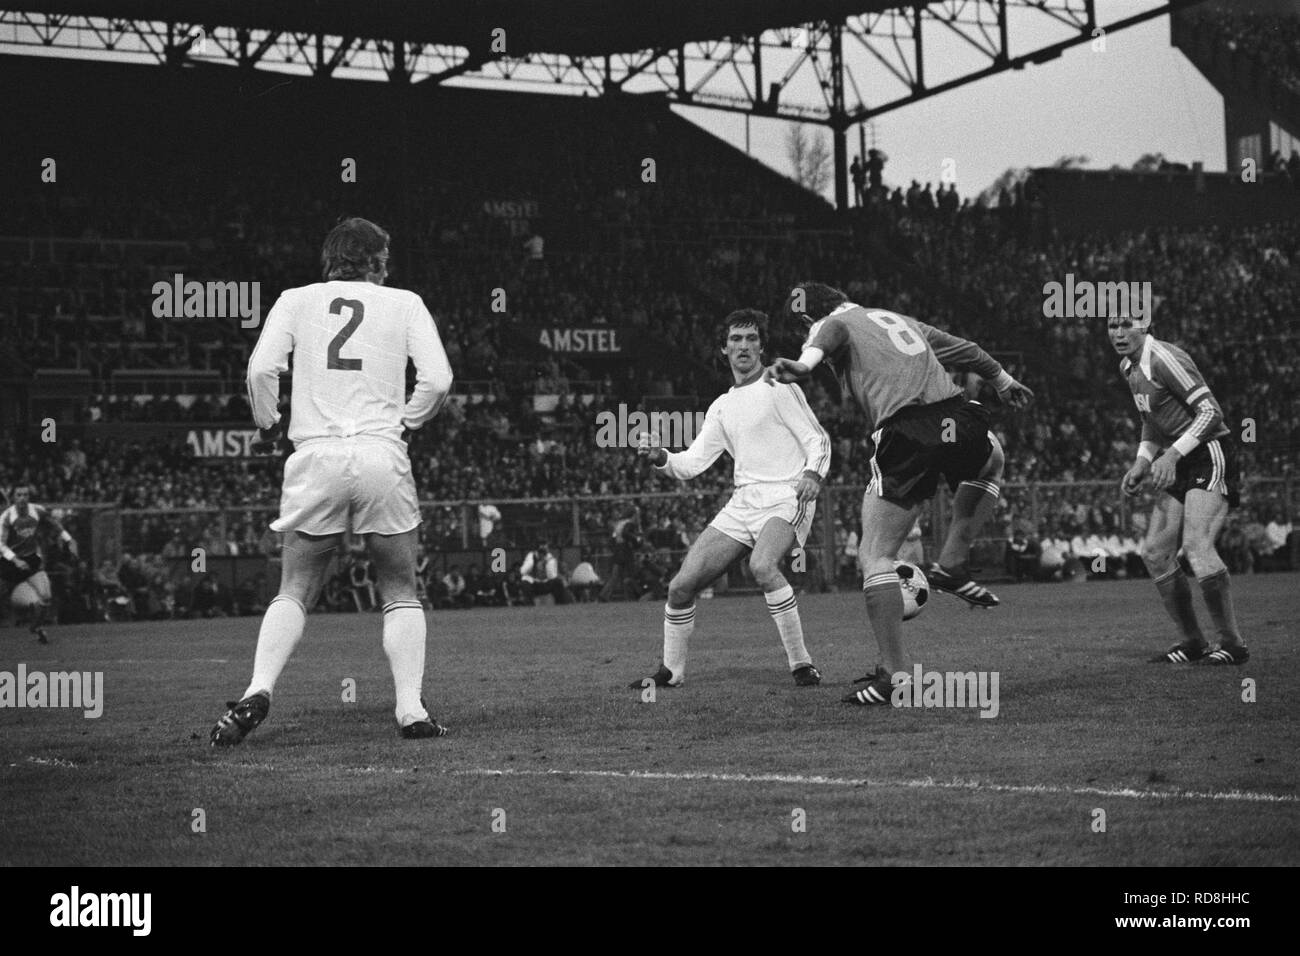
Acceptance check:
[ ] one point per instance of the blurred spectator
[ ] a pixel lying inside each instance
(361, 581)
(858, 173)
(1279, 533)
(488, 517)
(1024, 555)
(211, 599)
(541, 573)
(458, 593)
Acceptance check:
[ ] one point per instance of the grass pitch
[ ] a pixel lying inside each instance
(552, 760)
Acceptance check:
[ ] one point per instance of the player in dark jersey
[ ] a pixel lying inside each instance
(20, 556)
(1197, 473)
(923, 427)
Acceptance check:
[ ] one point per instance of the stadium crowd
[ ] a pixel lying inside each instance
(664, 262)
(1272, 39)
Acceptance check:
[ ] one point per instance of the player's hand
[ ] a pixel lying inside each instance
(1165, 470)
(72, 548)
(267, 441)
(1016, 395)
(809, 487)
(647, 446)
(1134, 477)
(19, 563)
(787, 371)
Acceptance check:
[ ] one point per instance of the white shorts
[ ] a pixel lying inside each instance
(335, 483)
(753, 506)
(31, 591)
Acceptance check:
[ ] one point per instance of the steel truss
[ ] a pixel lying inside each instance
(836, 74)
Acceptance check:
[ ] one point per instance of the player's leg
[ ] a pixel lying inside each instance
(1160, 555)
(385, 509)
(706, 561)
(24, 600)
(39, 582)
(405, 628)
(304, 560)
(972, 505)
(885, 525)
(774, 542)
(1204, 513)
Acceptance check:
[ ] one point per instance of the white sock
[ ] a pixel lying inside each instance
(404, 636)
(282, 627)
(679, 623)
(784, 609)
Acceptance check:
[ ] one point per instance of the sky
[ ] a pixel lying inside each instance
(1141, 95)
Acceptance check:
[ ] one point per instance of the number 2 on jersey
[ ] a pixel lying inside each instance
(358, 311)
(900, 333)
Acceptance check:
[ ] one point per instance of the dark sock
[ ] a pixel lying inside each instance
(1218, 598)
(885, 612)
(1177, 596)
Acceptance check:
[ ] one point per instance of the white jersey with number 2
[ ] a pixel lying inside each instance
(350, 341)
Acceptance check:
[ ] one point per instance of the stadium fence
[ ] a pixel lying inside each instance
(236, 548)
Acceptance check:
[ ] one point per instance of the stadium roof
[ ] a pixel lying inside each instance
(575, 27)
(834, 62)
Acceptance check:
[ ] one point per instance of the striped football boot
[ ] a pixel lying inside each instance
(960, 585)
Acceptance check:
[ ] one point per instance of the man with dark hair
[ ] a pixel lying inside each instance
(781, 457)
(876, 169)
(355, 250)
(541, 574)
(20, 556)
(858, 173)
(923, 428)
(351, 339)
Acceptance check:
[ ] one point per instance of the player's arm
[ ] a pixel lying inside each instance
(526, 569)
(47, 519)
(796, 415)
(433, 375)
(1148, 448)
(708, 446)
(826, 337)
(966, 356)
(269, 359)
(1180, 375)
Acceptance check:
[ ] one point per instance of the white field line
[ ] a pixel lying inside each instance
(124, 660)
(927, 783)
(923, 783)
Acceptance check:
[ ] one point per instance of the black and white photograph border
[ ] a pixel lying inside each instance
(557, 433)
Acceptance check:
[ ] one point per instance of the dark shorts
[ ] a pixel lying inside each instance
(1211, 467)
(9, 571)
(918, 444)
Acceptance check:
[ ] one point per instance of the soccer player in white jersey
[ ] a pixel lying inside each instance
(21, 559)
(350, 338)
(781, 457)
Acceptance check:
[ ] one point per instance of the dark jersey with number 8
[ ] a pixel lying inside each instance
(893, 361)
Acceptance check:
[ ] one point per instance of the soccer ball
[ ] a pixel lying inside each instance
(916, 589)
